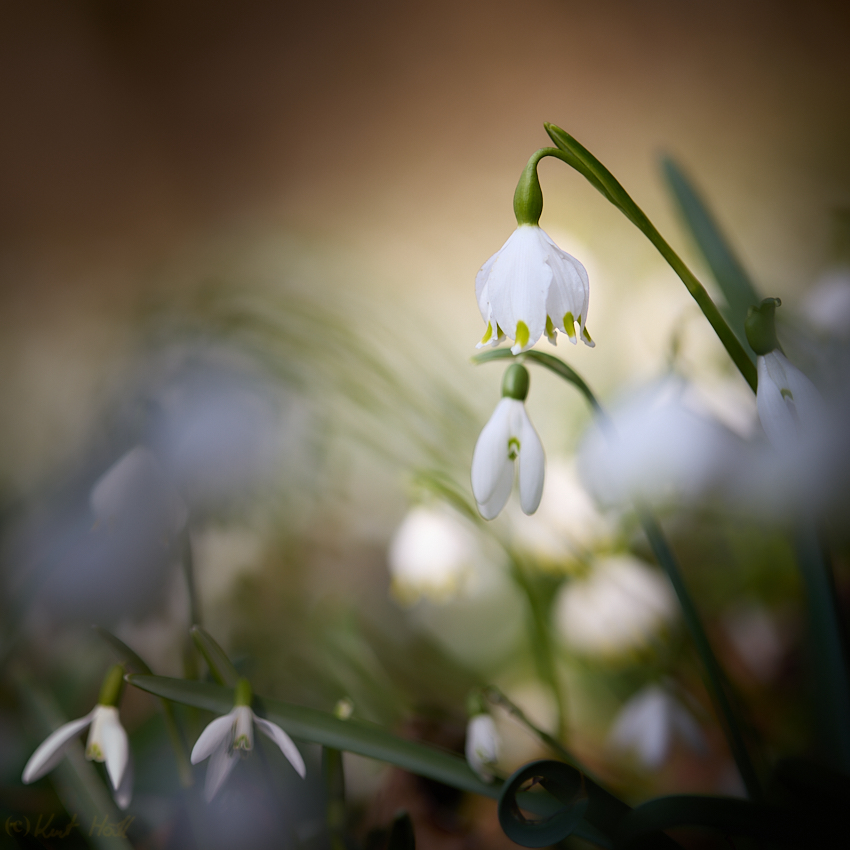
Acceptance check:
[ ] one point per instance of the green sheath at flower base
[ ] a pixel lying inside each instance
(243, 695)
(112, 687)
(515, 383)
(528, 197)
(761, 328)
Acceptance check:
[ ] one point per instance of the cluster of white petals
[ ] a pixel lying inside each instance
(509, 436)
(232, 735)
(107, 742)
(530, 287)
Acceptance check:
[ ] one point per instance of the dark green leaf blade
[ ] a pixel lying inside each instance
(220, 665)
(731, 277)
(124, 653)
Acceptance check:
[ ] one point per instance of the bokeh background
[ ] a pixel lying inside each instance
(246, 237)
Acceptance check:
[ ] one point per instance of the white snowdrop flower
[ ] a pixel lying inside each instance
(432, 554)
(232, 735)
(648, 724)
(530, 287)
(482, 745)
(107, 742)
(509, 436)
(660, 449)
(617, 608)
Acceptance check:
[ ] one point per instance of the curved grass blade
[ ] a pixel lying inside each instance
(733, 280)
(220, 665)
(124, 653)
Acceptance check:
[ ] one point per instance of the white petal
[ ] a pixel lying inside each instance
(108, 738)
(482, 745)
(531, 462)
(490, 457)
(243, 729)
(220, 767)
(777, 415)
(287, 747)
(482, 289)
(518, 284)
(124, 793)
(218, 732)
(570, 289)
(494, 505)
(51, 750)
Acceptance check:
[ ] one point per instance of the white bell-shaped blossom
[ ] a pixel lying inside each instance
(433, 554)
(530, 287)
(482, 745)
(790, 408)
(648, 724)
(619, 607)
(232, 735)
(107, 742)
(509, 436)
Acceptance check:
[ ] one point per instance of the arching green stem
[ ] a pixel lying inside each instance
(570, 151)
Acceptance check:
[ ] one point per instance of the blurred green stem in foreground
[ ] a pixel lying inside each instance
(667, 561)
(540, 638)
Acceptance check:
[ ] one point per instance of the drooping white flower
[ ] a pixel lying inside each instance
(648, 723)
(790, 408)
(619, 607)
(509, 436)
(107, 742)
(432, 554)
(232, 735)
(530, 287)
(482, 745)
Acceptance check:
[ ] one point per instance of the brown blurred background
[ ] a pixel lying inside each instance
(381, 141)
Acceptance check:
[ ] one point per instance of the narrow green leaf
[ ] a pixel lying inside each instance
(220, 665)
(124, 653)
(354, 736)
(733, 280)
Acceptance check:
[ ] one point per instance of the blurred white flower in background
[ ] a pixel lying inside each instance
(433, 553)
(757, 638)
(482, 745)
(620, 606)
(660, 449)
(648, 724)
(567, 523)
(455, 584)
(134, 487)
